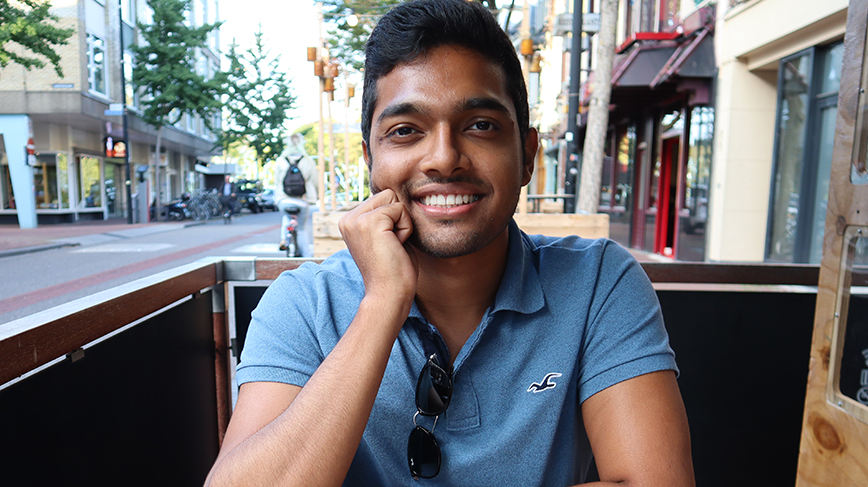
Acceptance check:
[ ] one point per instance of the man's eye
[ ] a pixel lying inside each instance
(401, 132)
(483, 125)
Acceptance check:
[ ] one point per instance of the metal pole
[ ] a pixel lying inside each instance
(127, 173)
(572, 170)
(320, 163)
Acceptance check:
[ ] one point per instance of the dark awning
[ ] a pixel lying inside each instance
(651, 73)
(652, 64)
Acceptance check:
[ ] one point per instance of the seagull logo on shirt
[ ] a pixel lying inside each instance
(545, 384)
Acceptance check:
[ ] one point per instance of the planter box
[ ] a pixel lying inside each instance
(327, 237)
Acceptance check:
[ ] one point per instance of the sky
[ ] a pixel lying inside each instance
(289, 27)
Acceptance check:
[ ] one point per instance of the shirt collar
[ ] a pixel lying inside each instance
(520, 289)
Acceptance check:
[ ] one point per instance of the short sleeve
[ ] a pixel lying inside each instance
(625, 336)
(282, 343)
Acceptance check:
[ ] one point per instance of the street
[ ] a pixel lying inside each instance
(41, 280)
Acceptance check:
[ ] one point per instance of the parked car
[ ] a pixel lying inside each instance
(266, 200)
(246, 192)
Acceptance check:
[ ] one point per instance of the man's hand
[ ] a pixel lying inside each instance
(285, 435)
(376, 234)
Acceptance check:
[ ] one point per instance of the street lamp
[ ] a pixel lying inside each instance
(326, 70)
(313, 55)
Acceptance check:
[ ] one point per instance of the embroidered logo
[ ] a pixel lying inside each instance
(545, 384)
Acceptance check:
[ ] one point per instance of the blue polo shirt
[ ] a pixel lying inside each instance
(579, 312)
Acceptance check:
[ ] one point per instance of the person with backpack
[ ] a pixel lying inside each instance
(295, 185)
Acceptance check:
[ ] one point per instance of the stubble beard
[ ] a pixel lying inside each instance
(444, 241)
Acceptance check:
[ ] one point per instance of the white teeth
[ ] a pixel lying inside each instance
(448, 201)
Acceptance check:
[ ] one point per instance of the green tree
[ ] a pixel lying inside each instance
(27, 23)
(350, 23)
(258, 103)
(164, 70)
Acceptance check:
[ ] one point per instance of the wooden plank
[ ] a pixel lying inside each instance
(222, 373)
(834, 444)
(269, 269)
(33, 341)
(564, 224)
(726, 273)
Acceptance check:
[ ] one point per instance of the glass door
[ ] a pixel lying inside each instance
(667, 211)
(114, 190)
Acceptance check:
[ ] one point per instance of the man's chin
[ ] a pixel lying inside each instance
(446, 248)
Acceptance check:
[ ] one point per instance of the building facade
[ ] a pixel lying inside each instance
(779, 72)
(77, 167)
(720, 127)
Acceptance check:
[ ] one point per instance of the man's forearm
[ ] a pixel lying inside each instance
(314, 440)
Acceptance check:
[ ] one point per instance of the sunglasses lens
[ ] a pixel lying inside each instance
(434, 390)
(423, 454)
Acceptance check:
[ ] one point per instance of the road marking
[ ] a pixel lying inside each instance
(124, 248)
(259, 248)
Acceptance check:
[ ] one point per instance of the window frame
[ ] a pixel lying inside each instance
(807, 191)
(91, 65)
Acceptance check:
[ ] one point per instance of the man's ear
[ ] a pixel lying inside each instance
(366, 155)
(531, 147)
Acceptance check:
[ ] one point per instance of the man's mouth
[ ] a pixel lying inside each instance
(448, 200)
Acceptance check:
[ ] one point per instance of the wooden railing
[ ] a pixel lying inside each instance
(160, 351)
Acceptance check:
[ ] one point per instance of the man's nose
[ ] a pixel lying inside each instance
(445, 155)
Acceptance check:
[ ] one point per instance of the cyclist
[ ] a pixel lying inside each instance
(296, 154)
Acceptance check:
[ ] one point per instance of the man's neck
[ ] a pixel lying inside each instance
(453, 294)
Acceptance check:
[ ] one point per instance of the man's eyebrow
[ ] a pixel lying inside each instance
(483, 104)
(400, 109)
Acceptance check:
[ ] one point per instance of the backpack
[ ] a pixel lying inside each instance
(293, 182)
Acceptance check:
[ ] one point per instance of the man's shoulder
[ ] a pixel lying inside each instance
(577, 246)
(575, 253)
(339, 267)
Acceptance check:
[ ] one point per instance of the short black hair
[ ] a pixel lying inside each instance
(412, 29)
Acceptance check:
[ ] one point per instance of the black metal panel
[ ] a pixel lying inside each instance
(646, 66)
(701, 62)
(744, 369)
(137, 409)
(246, 299)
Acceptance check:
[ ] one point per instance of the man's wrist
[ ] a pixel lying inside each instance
(387, 312)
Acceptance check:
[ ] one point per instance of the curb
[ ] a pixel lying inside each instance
(34, 248)
(39, 248)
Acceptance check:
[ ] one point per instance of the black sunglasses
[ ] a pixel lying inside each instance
(433, 392)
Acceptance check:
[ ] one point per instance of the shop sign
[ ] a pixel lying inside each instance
(564, 23)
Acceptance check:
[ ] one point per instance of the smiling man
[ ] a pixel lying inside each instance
(446, 344)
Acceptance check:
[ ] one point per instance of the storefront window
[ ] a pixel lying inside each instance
(792, 123)
(697, 178)
(63, 179)
(89, 180)
(807, 111)
(6, 182)
(617, 184)
(45, 182)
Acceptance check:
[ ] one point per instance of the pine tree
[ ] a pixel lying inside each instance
(29, 25)
(258, 103)
(164, 71)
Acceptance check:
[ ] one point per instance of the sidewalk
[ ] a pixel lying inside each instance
(16, 241)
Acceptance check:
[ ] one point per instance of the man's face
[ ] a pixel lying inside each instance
(445, 138)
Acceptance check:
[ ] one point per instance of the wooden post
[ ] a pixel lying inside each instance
(834, 443)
